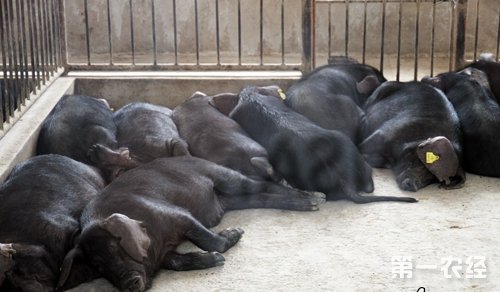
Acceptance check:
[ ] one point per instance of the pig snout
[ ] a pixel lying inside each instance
(134, 282)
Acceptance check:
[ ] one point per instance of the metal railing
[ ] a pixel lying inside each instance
(30, 49)
(40, 38)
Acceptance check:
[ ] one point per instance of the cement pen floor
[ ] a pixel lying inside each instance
(448, 241)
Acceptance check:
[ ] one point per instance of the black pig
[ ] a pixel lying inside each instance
(148, 131)
(214, 136)
(42, 200)
(331, 95)
(76, 126)
(132, 228)
(479, 115)
(487, 64)
(307, 156)
(412, 128)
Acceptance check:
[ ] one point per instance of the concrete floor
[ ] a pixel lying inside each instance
(349, 247)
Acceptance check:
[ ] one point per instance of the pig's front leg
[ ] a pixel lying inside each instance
(192, 261)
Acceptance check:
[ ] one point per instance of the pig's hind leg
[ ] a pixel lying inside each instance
(192, 261)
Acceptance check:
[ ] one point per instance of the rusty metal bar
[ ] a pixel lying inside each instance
(382, 37)
(417, 31)
(347, 28)
(153, 28)
(110, 41)
(476, 33)
(282, 32)
(87, 31)
(197, 31)
(398, 66)
(461, 15)
(329, 29)
(498, 36)
(364, 32)
(217, 30)
(132, 40)
(4, 116)
(433, 35)
(308, 25)
(239, 32)
(9, 85)
(261, 32)
(176, 53)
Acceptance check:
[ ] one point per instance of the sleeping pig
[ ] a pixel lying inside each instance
(479, 115)
(308, 157)
(413, 129)
(132, 228)
(42, 200)
(331, 96)
(216, 137)
(148, 131)
(76, 126)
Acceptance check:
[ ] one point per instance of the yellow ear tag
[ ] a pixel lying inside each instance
(281, 93)
(430, 157)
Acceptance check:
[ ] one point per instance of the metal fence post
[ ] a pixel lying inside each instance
(459, 42)
(308, 27)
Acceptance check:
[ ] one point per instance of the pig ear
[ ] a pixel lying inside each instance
(368, 85)
(6, 261)
(440, 158)
(177, 147)
(433, 81)
(133, 237)
(224, 102)
(67, 265)
(198, 93)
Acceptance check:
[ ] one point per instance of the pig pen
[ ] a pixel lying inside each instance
(448, 241)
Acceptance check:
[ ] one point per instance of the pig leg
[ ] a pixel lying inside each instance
(372, 149)
(211, 241)
(192, 261)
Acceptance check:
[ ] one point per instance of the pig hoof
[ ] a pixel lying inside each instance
(217, 259)
(232, 236)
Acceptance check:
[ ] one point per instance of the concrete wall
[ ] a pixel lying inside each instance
(120, 22)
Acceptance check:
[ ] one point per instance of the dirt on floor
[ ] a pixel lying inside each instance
(448, 241)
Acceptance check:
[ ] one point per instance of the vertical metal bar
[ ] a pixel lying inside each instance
(433, 35)
(476, 34)
(24, 53)
(3, 96)
(46, 36)
(461, 8)
(21, 69)
(49, 37)
(347, 28)
(398, 67)
(42, 42)
(261, 32)
(364, 31)
(308, 35)
(452, 34)
(110, 38)
(239, 32)
(417, 31)
(15, 51)
(498, 36)
(55, 41)
(62, 33)
(87, 31)
(33, 46)
(153, 28)
(132, 41)
(329, 30)
(10, 85)
(217, 31)
(382, 38)
(176, 57)
(282, 32)
(197, 32)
